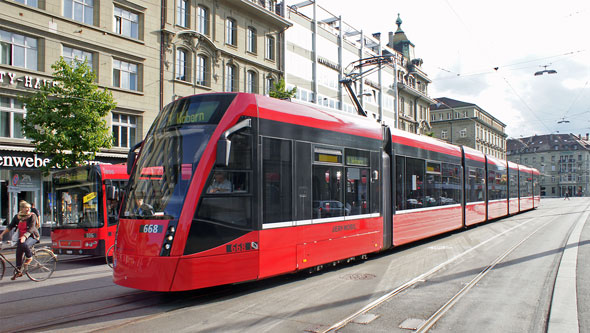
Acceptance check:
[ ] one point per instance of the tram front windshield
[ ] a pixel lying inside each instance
(170, 155)
(77, 194)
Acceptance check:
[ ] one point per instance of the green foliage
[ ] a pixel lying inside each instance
(280, 91)
(66, 120)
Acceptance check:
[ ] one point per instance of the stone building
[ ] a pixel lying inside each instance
(321, 48)
(467, 124)
(118, 38)
(220, 45)
(148, 53)
(562, 159)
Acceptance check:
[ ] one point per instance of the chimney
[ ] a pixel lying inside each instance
(586, 136)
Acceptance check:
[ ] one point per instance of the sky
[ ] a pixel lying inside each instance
(462, 42)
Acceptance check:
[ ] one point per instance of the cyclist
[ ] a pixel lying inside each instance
(26, 221)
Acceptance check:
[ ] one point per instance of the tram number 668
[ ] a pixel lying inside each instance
(151, 228)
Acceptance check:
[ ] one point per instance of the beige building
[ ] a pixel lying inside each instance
(220, 45)
(562, 159)
(321, 48)
(467, 124)
(118, 38)
(412, 85)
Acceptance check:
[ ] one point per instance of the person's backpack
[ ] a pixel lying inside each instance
(36, 212)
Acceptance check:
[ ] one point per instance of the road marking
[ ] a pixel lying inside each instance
(419, 278)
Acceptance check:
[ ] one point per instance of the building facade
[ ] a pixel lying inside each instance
(149, 54)
(321, 48)
(562, 159)
(115, 37)
(220, 45)
(469, 125)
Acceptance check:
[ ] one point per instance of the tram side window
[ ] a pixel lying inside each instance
(451, 184)
(400, 163)
(492, 187)
(414, 181)
(227, 196)
(513, 186)
(475, 184)
(113, 206)
(357, 182)
(277, 180)
(432, 185)
(497, 185)
(328, 184)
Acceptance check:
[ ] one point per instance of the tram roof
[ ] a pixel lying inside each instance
(424, 142)
(317, 117)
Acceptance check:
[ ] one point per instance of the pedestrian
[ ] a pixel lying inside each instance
(28, 235)
(567, 195)
(34, 210)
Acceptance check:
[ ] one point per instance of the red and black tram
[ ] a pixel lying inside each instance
(231, 187)
(87, 202)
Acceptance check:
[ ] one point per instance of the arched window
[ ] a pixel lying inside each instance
(231, 31)
(181, 65)
(251, 45)
(252, 82)
(231, 74)
(270, 82)
(203, 20)
(183, 13)
(270, 48)
(202, 70)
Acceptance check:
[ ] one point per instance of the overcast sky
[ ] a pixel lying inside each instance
(462, 41)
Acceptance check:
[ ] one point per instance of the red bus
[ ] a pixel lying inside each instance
(86, 207)
(232, 187)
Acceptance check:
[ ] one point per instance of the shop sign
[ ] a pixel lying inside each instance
(23, 161)
(23, 181)
(25, 81)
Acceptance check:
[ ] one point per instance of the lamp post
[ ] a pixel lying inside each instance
(548, 71)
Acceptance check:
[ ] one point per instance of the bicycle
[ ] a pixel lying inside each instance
(40, 269)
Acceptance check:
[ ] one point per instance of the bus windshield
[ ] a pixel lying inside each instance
(77, 194)
(170, 154)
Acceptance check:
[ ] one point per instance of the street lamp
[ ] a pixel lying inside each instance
(563, 121)
(548, 71)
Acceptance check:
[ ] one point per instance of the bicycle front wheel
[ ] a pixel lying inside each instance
(2, 268)
(42, 266)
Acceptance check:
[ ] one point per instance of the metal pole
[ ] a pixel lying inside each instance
(396, 103)
(380, 86)
(315, 53)
(340, 63)
(362, 86)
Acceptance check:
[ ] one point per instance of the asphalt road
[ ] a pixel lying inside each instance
(496, 277)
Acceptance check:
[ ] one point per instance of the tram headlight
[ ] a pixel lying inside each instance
(168, 238)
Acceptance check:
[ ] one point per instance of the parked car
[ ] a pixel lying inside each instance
(329, 208)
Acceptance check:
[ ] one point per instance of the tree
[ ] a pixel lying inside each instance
(66, 120)
(280, 91)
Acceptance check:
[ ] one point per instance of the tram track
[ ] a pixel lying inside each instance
(427, 324)
(98, 314)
